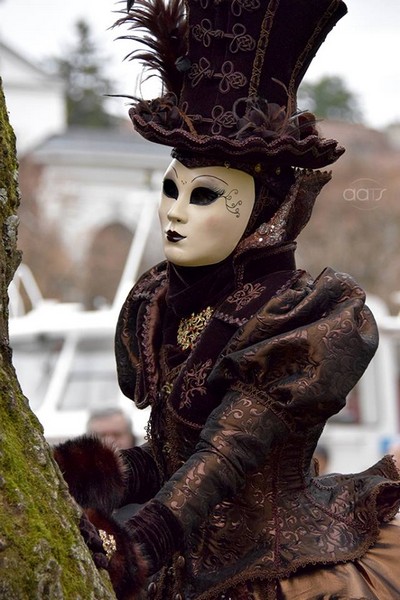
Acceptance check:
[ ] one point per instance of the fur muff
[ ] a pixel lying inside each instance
(94, 471)
(127, 566)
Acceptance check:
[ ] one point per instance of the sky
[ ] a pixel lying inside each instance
(363, 48)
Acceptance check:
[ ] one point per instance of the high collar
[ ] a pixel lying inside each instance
(190, 289)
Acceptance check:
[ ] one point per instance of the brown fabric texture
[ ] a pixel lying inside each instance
(234, 425)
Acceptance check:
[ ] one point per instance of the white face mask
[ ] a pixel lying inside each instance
(204, 212)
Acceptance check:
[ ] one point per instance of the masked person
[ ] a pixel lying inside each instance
(241, 356)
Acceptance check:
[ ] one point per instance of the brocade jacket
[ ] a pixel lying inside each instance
(236, 418)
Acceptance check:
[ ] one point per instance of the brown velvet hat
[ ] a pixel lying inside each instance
(231, 70)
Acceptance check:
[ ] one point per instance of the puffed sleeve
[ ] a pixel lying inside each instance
(305, 350)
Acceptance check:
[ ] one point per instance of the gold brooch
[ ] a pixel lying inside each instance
(108, 541)
(191, 327)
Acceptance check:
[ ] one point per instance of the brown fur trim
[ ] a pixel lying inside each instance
(94, 472)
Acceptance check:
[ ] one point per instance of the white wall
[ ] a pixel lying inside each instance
(83, 200)
(35, 100)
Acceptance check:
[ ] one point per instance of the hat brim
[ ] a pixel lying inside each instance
(311, 152)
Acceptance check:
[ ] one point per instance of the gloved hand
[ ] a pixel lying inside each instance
(140, 548)
(94, 471)
(125, 563)
(94, 542)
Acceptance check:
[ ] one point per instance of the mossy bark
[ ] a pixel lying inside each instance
(42, 555)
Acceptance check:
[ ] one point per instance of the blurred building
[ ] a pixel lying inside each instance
(91, 179)
(35, 100)
(83, 190)
(92, 193)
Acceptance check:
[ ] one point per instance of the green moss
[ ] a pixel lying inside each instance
(38, 521)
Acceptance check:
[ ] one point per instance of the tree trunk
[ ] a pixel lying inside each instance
(42, 554)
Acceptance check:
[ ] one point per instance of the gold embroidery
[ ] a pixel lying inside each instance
(191, 327)
(167, 388)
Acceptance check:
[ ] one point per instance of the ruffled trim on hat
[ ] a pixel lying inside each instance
(264, 134)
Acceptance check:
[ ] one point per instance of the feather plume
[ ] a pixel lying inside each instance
(162, 28)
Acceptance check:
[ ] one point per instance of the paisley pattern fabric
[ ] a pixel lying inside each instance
(234, 426)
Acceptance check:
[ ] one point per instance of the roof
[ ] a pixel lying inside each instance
(16, 69)
(103, 146)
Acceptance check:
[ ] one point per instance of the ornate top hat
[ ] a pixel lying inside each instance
(231, 70)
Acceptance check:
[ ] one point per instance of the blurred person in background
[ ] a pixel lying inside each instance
(112, 425)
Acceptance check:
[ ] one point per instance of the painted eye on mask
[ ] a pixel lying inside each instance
(170, 189)
(202, 196)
